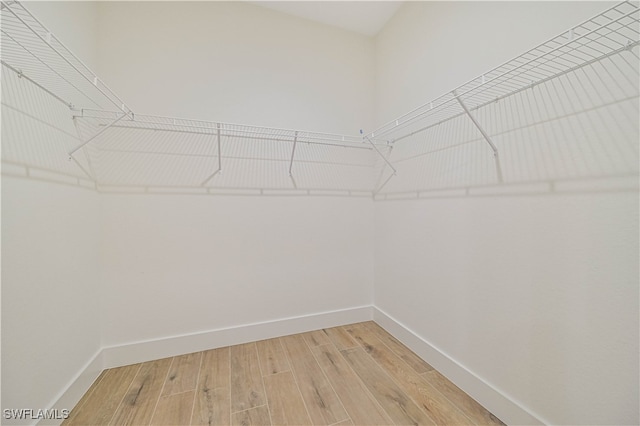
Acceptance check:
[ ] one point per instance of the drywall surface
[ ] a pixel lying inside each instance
(536, 294)
(237, 62)
(50, 273)
(181, 264)
(184, 264)
(429, 48)
(50, 233)
(73, 23)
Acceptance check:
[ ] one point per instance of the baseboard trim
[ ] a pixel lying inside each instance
(116, 356)
(505, 408)
(495, 401)
(69, 397)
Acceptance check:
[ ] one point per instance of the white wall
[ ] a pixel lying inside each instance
(81, 37)
(50, 236)
(535, 294)
(50, 315)
(106, 270)
(429, 48)
(182, 264)
(237, 62)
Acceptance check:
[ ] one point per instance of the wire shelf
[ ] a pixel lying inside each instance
(609, 33)
(566, 109)
(30, 50)
(145, 150)
(185, 125)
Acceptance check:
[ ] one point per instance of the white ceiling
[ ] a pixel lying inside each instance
(364, 17)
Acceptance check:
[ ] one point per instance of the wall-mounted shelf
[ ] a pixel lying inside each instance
(542, 116)
(145, 150)
(558, 104)
(35, 53)
(609, 33)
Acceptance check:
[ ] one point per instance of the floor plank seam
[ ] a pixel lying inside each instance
(448, 399)
(125, 394)
(295, 379)
(250, 408)
(230, 403)
(363, 385)
(451, 402)
(178, 393)
(277, 374)
(391, 378)
(366, 388)
(195, 394)
(381, 381)
(264, 388)
(84, 398)
(155, 407)
(327, 379)
(455, 406)
(417, 403)
(388, 376)
(394, 380)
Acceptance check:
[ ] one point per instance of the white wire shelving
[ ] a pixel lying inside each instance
(116, 148)
(609, 33)
(196, 153)
(591, 67)
(563, 104)
(34, 53)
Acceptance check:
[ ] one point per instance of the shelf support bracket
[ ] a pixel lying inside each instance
(381, 155)
(484, 135)
(204, 182)
(101, 131)
(293, 152)
(20, 74)
(375, 192)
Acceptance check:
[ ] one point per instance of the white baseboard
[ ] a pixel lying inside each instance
(116, 356)
(495, 401)
(503, 407)
(72, 393)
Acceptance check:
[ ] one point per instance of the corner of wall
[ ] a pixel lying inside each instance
(499, 404)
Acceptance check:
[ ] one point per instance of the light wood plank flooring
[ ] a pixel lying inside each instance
(352, 375)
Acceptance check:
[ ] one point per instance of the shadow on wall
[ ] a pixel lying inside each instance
(37, 133)
(577, 132)
(171, 155)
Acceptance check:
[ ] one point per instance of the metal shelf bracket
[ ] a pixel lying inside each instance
(483, 133)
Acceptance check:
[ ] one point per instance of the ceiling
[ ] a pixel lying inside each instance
(363, 17)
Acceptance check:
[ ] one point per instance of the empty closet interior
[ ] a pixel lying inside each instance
(183, 176)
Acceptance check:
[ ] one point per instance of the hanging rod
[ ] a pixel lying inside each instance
(611, 32)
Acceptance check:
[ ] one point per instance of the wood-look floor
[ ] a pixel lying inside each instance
(352, 375)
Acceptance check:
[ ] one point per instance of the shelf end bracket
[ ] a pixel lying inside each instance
(483, 133)
(211, 176)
